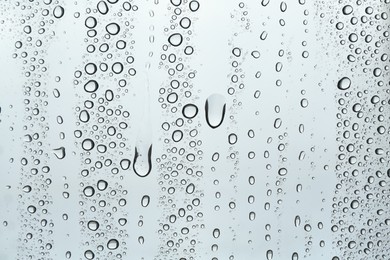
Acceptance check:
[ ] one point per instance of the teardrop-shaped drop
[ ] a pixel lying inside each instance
(59, 153)
(142, 163)
(215, 108)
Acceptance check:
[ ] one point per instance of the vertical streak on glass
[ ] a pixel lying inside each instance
(102, 128)
(36, 233)
(180, 169)
(359, 204)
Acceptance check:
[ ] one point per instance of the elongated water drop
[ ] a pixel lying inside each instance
(58, 11)
(215, 108)
(297, 221)
(269, 254)
(145, 201)
(59, 153)
(142, 163)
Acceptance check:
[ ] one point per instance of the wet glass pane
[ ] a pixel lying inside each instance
(194, 129)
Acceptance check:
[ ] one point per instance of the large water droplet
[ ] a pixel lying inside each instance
(216, 233)
(58, 11)
(347, 10)
(344, 83)
(215, 108)
(297, 221)
(88, 144)
(282, 171)
(113, 28)
(102, 185)
(354, 204)
(125, 164)
(190, 111)
(59, 152)
(145, 201)
(269, 254)
(142, 163)
(102, 7)
(175, 39)
(93, 225)
(84, 116)
(194, 6)
(112, 244)
(91, 86)
(89, 191)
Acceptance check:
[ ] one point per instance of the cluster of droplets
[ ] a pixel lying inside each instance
(246, 78)
(102, 127)
(35, 24)
(361, 221)
(247, 149)
(179, 169)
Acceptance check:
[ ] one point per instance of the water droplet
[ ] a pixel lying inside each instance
(190, 188)
(113, 28)
(91, 86)
(177, 135)
(232, 139)
(145, 201)
(255, 54)
(269, 254)
(142, 163)
(344, 83)
(102, 185)
(354, 204)
(297, 221)
(125, 164)
(347, 10)
(277, 123)
(90, 22)
(215, 108)
(84, 116)
(194, 6)
(89, 254)
(185, 22)
(175, 39)
(59, 153)
(176, 2)
(89, 191)
(102, 7)
(282, 171)
(31, 209)
(93, 225)
(236, 52)
(216, 233)
(58, 11)
(90, 68)
(112, 244)
(27, 188)
(190, 111)
(351, 244)
(377, 72)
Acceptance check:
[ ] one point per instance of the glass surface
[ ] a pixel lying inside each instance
(192, 130)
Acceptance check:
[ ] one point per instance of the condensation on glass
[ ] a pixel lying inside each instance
(194, 129)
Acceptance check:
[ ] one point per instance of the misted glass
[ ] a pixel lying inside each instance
(194, 129)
